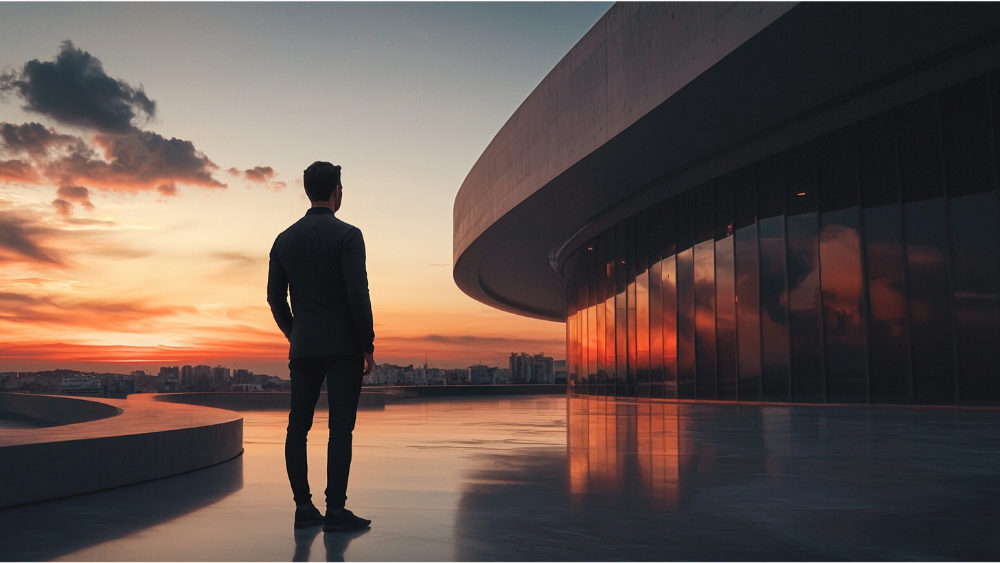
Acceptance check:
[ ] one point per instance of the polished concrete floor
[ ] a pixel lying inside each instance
(550, 478)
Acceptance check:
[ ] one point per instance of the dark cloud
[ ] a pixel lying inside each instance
(74, 89)
(138, 161)
(69, 195)
(22, 240)
(115, 155)
(259, 174)
(34, 139)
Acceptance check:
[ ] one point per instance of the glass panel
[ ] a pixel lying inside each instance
(725, 318)
(725, 291)
(846, 352)
(803, 276)
(888, 333)
(930, 302)
(841, 277)
(610, 350)
(591, 324)
(686, 382)
(584, 336)
(571, 299)
(775, 376)
(668, 292)
(621, 319)
(748, 313)
(704, 303)
(668, 279)
(926, 234)
(655, 218)
(631, 302)
(602, 331)
(642, 307)
(745, 265)
(975, 240)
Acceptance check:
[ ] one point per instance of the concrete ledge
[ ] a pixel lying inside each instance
(257, 401)
(146, 440)
(56, 410)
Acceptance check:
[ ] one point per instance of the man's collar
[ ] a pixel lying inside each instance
(319, 211)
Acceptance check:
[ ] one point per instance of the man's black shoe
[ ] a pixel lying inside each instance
(307, 517)
(343, 521)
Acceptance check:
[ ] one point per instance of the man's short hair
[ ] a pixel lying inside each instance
(320, 179)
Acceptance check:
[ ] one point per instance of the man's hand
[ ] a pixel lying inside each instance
(369, 363)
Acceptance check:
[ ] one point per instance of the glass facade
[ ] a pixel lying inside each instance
(859, 267)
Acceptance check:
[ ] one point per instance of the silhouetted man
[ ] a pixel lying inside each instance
(320, 262)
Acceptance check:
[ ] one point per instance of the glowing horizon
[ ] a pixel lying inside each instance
(140, 197)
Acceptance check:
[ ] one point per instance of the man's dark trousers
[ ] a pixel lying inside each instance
(343, 386)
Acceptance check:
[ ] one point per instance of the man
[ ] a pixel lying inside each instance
(320, 262)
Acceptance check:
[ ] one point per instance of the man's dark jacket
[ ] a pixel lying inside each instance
(320, 262)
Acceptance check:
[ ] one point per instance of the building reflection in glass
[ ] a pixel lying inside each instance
(859, 267)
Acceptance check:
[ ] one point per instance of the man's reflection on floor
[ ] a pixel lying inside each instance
(336, 543)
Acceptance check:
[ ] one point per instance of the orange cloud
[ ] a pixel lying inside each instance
(18, 171)
(92, 314)
(68, 195)
(47, 352)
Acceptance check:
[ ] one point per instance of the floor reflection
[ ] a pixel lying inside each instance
(555, 478)
(45, 531)
(660, 481)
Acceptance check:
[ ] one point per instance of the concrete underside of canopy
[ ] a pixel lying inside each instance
(702, 93)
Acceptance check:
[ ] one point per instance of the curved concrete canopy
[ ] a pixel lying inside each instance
(658, 98)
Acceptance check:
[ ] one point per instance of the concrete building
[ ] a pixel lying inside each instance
(758, 202)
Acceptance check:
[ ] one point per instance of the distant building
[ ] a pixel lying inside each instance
(559, 371)
(456, 377)
(525, 368)
(187, 377)
(242, 377)
(433, 376)
(202, 376)
(120, 388)
(82, 387)
(220, 378)
(502, 376)
(482, 375)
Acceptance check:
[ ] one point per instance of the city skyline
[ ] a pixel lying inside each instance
(136, 227)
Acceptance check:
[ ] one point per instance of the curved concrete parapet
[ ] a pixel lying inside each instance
(255, 401)
(56, 411)
(145, 440)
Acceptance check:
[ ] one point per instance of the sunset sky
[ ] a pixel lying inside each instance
(150, 153)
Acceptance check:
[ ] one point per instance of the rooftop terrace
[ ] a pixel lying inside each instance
(556, 478)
